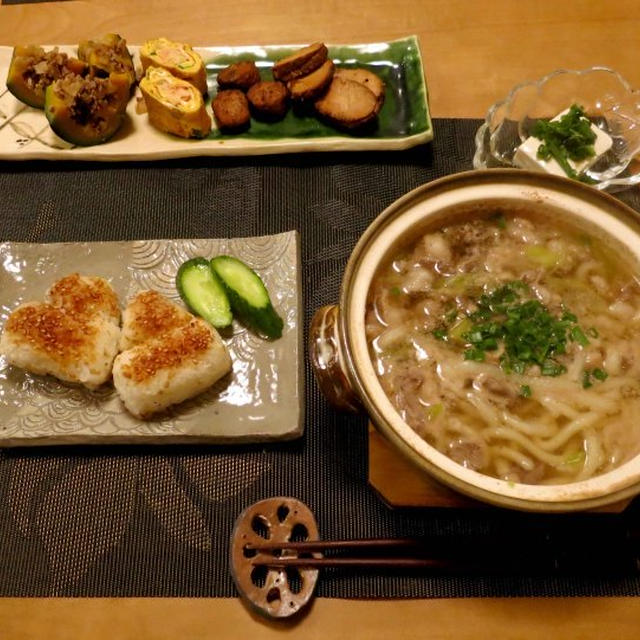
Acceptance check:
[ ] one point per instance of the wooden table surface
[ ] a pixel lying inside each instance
(474, 51)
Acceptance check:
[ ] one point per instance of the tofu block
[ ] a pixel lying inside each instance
(526, 154)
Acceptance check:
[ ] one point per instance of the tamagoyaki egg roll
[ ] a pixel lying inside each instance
(174, 105)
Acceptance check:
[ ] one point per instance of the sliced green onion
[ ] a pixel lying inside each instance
(600, 374)
(474, 354)
(575, 458)
(577, 334)
(434, 411)
(499, 220)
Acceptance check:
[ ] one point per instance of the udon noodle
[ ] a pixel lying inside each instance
(573, 416)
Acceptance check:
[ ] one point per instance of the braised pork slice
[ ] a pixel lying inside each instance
(348, 104)
(364, 77)
(312, 86)
(300, 63)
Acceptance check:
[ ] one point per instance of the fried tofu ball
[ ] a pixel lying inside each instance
(240, 75)
(269, 99)
(231, 109)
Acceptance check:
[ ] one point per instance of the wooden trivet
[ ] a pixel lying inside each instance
(400, 484)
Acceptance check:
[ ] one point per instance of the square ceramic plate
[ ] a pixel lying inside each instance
(403, 121)
(260, 400)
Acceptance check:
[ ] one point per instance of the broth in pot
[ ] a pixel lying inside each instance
(508, 341)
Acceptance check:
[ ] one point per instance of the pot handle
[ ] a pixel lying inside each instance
(325, 354)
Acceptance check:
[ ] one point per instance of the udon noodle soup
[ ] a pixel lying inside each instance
(509, 343)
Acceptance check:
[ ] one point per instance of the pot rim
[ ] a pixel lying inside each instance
(613, 486)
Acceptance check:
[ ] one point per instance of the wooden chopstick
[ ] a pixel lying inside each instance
(492, 554)
(311, 546)
(322, 545)
(337, 562)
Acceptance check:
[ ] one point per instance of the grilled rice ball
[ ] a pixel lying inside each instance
(148, 315)
(84, 297)
(239, 75)
(45, 339)
(72, 336)
(171, 368)
(231, 110)
(269, 99)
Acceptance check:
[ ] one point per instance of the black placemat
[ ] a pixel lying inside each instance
(156, 522)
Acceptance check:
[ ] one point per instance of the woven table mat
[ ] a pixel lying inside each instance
(144, 521)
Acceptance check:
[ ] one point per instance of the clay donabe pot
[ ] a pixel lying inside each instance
(340, 353)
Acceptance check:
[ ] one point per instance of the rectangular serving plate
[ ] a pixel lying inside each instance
(261, 400)
(403, 121)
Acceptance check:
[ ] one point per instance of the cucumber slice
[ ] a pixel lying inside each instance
(203, 292)
(248, 296)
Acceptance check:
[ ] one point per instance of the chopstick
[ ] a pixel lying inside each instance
(338, 561)
(411, 553)
(322, 545)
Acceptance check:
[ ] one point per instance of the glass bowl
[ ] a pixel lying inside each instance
(607, 99)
